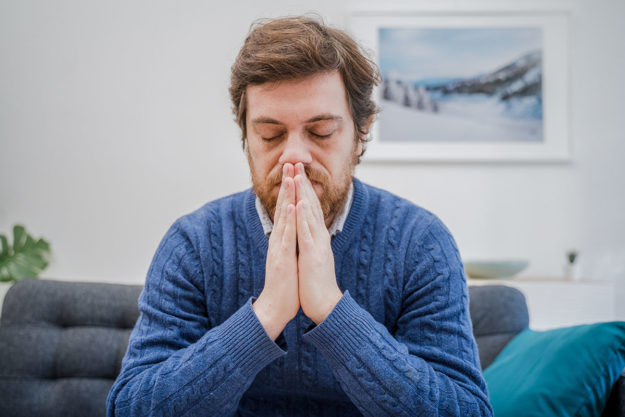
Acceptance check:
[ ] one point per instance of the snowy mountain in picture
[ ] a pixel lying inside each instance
(461, 84)
(510, 96)
(518, 85)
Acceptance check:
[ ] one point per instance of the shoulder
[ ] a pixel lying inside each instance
(414, 220)
(413, 230)
(197, 224)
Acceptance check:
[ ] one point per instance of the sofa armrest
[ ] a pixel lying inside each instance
(616, 402)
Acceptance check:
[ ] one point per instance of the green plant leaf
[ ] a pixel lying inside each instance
(19, 237)
(25, 259)
(41, 245)
(5, 246)
(19, 271)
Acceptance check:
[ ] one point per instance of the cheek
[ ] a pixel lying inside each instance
(267, 171)
(260, 160)
(340, 159)
(318, 189)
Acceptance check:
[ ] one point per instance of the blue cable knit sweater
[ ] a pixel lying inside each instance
(398, 343)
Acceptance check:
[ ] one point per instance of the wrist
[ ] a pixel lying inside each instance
(273, 324)
(325, 311)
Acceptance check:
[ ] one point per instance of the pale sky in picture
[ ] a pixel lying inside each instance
(416, 54)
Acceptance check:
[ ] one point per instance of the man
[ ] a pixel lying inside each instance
(313, 294)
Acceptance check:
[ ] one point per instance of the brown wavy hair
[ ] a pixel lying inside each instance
(295, 47)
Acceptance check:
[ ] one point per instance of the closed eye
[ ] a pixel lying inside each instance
(321, 136)
(269, 139)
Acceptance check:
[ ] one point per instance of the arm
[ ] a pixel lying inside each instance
(176, 364)
(429, 366)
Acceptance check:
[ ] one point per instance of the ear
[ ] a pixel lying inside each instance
(359, 148)
(367, 129)
(369, 122)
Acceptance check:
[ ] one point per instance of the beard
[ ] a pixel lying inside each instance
(333, 195)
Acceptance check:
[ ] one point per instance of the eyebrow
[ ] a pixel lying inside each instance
(324, 117)
(269, 120)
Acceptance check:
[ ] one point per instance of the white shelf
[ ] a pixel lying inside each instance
(554, 302)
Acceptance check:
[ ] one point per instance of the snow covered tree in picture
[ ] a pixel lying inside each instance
(470, 85)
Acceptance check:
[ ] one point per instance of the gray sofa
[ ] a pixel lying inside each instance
(61, 343)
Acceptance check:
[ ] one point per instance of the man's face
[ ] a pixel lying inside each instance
(305, 120)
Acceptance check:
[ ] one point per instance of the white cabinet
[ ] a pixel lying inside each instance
(557, 303)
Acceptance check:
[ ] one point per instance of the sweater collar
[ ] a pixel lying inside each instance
(355, 217)
(335, 228)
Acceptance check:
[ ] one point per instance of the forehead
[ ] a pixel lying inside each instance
(300, 99)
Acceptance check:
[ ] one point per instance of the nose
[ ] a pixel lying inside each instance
(296, 149)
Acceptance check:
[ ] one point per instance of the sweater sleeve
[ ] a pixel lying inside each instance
(429, 365)
(175, 364)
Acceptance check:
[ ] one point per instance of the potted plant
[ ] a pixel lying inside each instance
(571, 268)
(25, 258)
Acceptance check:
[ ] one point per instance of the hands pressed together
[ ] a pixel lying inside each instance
(292, 279)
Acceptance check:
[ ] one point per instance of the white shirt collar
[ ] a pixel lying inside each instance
(334, 229)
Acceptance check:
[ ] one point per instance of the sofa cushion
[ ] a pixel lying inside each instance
(563, 372)
(61, 346)
(67, 397)
(498, 313)
(37, 351)
(67, 304)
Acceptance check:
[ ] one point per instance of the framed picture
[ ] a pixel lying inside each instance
(468, 86)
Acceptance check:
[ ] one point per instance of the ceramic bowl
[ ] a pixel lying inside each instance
(495, 269)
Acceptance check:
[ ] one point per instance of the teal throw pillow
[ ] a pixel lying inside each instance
(562, 372)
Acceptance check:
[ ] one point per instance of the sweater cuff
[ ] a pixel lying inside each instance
(249, 346)
(343, 332)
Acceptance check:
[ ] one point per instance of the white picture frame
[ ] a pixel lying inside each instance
(554, 144)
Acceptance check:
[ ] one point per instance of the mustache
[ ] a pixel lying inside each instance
(312, 174)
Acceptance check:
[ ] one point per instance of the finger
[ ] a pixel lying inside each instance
(280, 200)
(305, 189)
(304, 235)
(288, 170)
(310, 190)
(289, 196)
(283, 193)
(305, 192)
(300, 192)
(290, 230)
(288, 189)
(316, 223)
(299, 168)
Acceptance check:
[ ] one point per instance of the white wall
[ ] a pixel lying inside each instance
(115, 120)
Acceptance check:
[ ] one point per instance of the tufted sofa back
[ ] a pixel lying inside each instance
(62, 343)
(61, 346)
